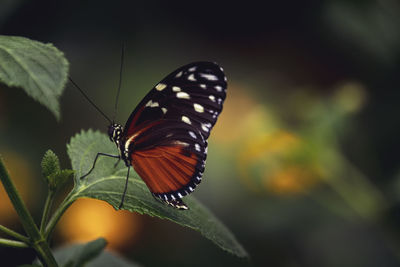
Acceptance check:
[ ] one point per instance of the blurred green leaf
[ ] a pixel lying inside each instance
(371, 26)
(107, 183)
(93, 251)
(40, 69)
(88, 252)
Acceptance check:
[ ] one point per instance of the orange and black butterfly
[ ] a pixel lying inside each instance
(165, 137)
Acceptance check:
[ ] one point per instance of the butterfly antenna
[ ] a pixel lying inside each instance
(90, 101)
(120, 80)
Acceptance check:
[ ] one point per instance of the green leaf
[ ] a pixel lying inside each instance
(40, 69)
(88, 252)
(107, 183)
(73, 255)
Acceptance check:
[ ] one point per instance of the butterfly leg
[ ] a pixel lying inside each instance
(95, 160)
(126, 187)
(116, 163)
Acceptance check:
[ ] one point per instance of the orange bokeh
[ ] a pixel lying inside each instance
(89, 219)
(20, 172)
(290, 180)
(279, 163)
(238, 110)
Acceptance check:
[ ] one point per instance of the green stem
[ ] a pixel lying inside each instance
(47, 208)
(58, 213)
(14, 234)
(38, 242)
(12, 243)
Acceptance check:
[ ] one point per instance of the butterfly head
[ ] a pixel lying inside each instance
(115, 132)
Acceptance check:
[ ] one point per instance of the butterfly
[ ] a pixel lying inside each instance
(165, 137)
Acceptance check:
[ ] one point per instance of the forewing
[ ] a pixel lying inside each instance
(192, 94)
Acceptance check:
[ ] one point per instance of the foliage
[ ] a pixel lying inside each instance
(90, 254)
(106, 183)
(41, 70)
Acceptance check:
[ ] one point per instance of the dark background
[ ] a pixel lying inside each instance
(303, 163)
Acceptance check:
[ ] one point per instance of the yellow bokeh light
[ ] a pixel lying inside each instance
(89, 219)
(20, 172)
(350, 96)
(277, 162)
(239, 109)
(290, 180)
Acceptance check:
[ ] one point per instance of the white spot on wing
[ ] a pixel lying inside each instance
(179, 74)
(197, 147)
(204, 127)
(154, 104)
(192, 69)
(164, 110)
(177, 142)
(160, 86)
(176, 89)
(180, 195)
(212, 98)
(203, 86)
(191, 77)
(182, 95)
(192, 134)
(199, 108)
(210, 77)
(218, 88)
(186, 120)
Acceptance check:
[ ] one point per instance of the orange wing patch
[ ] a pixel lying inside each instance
(165, 169)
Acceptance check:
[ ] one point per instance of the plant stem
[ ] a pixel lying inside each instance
(47, 208)
(14, 234)
(38, 242)
(58, 213)
(12, 243)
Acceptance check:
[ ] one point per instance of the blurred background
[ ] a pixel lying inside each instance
(303, 162)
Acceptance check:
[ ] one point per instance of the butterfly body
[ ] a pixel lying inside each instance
(165, 137)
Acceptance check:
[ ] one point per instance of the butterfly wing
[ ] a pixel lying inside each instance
(193, 94)
(170, 158)
(166, 135)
